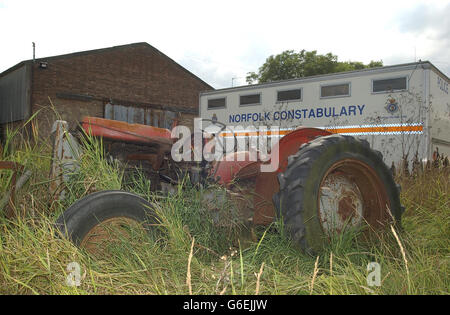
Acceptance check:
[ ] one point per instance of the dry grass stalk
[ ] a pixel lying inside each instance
(188, 276)
(402, 250)
(224, 290)
(316, 270)
(331, 263)
(258, 277)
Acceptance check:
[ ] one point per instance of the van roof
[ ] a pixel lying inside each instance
(332, 76)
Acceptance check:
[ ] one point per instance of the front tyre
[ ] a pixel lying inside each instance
(105, 217)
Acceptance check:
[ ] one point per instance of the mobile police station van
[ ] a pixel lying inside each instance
(402, 110)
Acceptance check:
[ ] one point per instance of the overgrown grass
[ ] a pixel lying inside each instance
(34, 258)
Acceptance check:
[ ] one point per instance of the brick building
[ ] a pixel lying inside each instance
(134, 83)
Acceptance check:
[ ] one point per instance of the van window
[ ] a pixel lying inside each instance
(216, 103)
(289, 95)
(335, 90)
(250, 99)
(389, 85)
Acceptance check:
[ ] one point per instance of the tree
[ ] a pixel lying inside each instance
(290, 64)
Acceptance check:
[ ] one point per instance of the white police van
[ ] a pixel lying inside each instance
(402, 110)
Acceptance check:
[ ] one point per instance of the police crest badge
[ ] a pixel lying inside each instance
(392, 106)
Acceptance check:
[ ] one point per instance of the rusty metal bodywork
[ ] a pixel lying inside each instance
(122, 131)
(156, 143)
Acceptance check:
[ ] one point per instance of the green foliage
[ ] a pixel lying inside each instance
(95, 172)
(290, 64)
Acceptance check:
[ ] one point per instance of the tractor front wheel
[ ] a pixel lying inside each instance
(107, 218)
(332, 184)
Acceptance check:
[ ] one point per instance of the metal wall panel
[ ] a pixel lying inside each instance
(15, 95)
(120, 113)
(109, 111)
(140, 115)
(156, 118)
(168, 119)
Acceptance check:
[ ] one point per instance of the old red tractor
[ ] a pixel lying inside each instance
(323, 183)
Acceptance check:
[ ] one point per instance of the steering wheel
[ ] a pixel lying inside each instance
(222, 128)
(214, 123)
(204, 130)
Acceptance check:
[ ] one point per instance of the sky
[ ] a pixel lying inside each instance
(221, 41)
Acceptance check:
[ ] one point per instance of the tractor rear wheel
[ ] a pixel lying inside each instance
(332, 184)
(107, 218)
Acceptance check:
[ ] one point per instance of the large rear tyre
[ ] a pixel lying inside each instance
(332, 184)
(105, 217)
